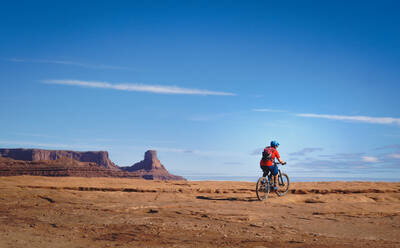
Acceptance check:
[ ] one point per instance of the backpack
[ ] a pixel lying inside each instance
(267, 153)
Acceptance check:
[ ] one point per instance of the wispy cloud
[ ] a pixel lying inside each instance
(203, 153)
(66, 62)
(306, 151)
(370, 159)
(394, 155)
(158, 89)
(367, 119)
(359, 166)
(355, 118)
(389, 147)
(268, 110)
(177, 150)
(257, 96)
(257, 151)
(343, 156)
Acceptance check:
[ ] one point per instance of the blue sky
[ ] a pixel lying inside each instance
(207, 83)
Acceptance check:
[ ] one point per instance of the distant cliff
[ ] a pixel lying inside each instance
(100, 157)
(59, 168)
(151, 168)
(41, 162)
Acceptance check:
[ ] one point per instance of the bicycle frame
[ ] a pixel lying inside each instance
(283, 182)
(279, 172)
(280, 179)
(269, 175)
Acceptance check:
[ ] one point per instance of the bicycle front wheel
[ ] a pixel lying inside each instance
(262, 188)
(283, 184)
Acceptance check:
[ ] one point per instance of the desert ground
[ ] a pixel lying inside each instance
(112, 212)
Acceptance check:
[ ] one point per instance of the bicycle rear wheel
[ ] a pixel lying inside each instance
(262, 188)
(283, 183)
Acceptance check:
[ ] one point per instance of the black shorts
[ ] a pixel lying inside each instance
(273, 169)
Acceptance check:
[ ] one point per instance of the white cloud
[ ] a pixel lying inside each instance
(369, 159)
(66, 62)
(305, 151)
(159, 89)
(367, 119)
(394, 155)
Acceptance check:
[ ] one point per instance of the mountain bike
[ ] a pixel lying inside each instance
(265, 185)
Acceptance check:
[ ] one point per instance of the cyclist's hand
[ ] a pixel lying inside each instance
(283, 163)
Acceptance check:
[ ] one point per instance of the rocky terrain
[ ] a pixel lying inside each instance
(38, 162)
(101, 157)
(118, 212)
(151, 168)
(59, 168)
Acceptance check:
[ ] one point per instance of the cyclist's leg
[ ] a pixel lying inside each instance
(274, 172)
(265, 170)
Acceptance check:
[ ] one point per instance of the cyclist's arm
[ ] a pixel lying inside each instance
(279, 158)
(281, 161)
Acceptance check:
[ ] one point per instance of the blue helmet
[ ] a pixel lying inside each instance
(274, 143)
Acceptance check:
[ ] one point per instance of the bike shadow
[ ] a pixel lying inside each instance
(246, 199)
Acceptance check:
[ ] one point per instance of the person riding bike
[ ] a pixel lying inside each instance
(267, 162)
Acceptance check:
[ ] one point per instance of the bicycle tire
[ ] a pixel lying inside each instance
(262, 188)
(284, 183)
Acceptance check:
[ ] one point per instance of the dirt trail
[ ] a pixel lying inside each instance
(111, 212)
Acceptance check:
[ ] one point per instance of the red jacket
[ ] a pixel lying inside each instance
(275, 154)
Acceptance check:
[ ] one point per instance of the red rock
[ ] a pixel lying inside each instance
(100, 157)
(40, 162)
(151, 168)
(59, 167)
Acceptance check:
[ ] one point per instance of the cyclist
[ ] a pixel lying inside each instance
(268, 164)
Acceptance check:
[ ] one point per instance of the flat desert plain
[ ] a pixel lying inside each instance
(114, 212)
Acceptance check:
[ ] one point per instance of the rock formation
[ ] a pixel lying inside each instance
(151, 168)
(60, 168)
(40, 162)
(100, 158)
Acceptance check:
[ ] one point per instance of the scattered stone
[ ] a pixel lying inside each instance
(152, 211)
(314, 201)
(47, 199)
(296, 241)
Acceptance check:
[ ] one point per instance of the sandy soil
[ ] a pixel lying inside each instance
(110, 212)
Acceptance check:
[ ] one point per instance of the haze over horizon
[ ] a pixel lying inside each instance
(207, 84)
